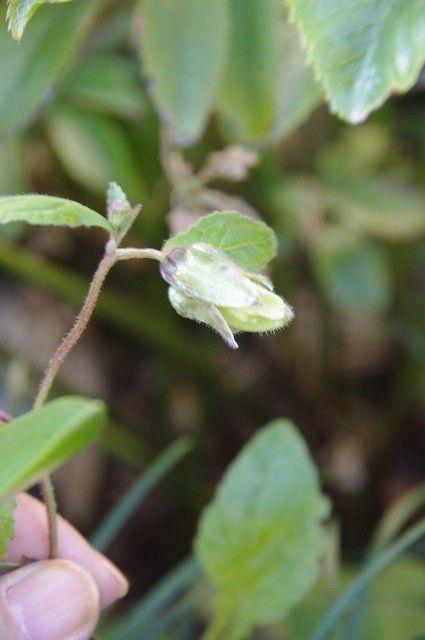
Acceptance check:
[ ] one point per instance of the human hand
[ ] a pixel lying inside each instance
(54, 599)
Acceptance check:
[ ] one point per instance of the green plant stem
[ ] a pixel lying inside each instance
(111, 256)
(139, 254)
(372, 570)
(220, 624)
(49, 375)
(79, 326)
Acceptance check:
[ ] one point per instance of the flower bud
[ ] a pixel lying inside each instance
(207, 287)
(270, 312)
(120, 213)
(201, 312)
(204, 272)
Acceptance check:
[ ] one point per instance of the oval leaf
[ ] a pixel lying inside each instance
(35, 209)
(260, 539)
(27, 71)
(247, 242)
(184, 45)
(354, 274)
(363, 52)
(95, 150)
(43, 439)
(248, 93)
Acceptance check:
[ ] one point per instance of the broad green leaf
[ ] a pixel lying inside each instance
(43, 439)
(395, 605)
(268, 89)
(20, 12)
(298, 93)
(35, 209)
(183, 53)
(6, 526)
(382, 208)
(354, 274)
(28, 71)
(362, 53)
(247, 242)
(109, 84)
(95, 150)
(260, 540)
(248, 93)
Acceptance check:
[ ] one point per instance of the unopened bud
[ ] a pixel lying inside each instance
(207, 287)
(204, 272)
(120, 212)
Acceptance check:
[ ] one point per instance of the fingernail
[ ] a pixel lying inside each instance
(53, 600)
(115, 583)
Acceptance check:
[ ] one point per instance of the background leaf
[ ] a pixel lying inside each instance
(36, 209)
(362, 53)
(247, 94)
(353, 273)
(267, 89)
(108, 84)
(20, 12)
(184, 46)
(28, 70)
(43, 439)
(247, 242)
(95, 150)
(6, 526)
(259, 541)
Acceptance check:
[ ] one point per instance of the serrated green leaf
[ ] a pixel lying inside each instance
(20, 12)
(247, 242)
(353, 273)
(362, 53)
(95, 150)
(28, 70)
(6, 526)
(183, 53)
(36, 209)
(260, 539)
(43, 439)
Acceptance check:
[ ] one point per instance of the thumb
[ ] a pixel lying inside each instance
(49, 600)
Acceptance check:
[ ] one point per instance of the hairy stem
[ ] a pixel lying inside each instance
(141, 254)
(59, 356)
(79, 326)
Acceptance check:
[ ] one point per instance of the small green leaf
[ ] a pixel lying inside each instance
(362, 53)
(353, 273)
(183, 52)
(43, 439)
(6, 526)
(35, 209)
(20, 12)
(260, 539)
(247, 242)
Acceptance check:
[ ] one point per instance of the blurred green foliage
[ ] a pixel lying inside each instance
(159, 95)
